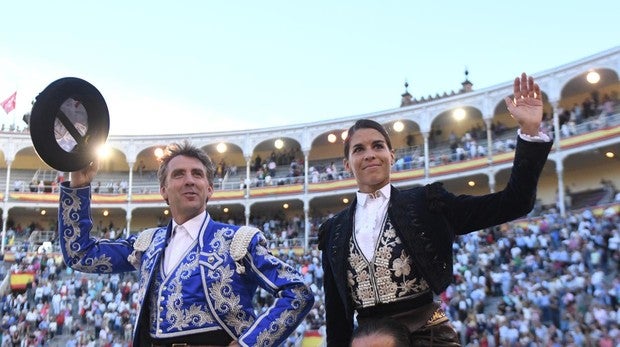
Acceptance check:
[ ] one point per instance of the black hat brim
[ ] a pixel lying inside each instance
(46, 113)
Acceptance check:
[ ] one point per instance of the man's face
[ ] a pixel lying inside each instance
(370, 160)
(186, 188)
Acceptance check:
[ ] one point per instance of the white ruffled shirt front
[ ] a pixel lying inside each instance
(370, 215)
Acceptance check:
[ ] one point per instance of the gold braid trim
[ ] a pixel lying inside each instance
(439, 316)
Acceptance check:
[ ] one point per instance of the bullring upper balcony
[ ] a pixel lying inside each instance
(463, 139)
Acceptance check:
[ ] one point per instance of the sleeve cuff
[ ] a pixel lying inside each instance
(541, 137)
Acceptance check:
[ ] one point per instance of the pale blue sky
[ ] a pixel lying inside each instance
(198, 66)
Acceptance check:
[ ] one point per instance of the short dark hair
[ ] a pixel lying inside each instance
(384, 326)
(365, 124)
(188, 150)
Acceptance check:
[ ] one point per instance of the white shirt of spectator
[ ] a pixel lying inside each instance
(369, 217)
(183, 237)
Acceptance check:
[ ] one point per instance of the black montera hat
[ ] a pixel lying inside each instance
(69, 120)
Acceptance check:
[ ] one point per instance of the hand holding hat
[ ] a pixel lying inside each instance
(83, 177)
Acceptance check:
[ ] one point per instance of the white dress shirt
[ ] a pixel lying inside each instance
(370, 214)
(183, 238)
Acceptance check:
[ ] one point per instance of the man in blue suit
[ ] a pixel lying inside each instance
(197, 276)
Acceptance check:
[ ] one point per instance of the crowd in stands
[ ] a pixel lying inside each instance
(555, 282)
(269, 172)
(592, 109)
(544, 281)
(111, 187)
(38, 185)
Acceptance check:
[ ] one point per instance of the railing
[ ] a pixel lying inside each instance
(40, 236)
(507, 141)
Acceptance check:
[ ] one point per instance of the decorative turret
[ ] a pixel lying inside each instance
(467, 85)
(406, 99)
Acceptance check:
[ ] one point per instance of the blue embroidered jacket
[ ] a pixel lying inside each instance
(211, 288)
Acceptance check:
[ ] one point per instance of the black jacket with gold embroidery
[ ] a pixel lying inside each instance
(427, 219)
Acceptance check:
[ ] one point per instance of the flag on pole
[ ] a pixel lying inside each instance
(9, 104)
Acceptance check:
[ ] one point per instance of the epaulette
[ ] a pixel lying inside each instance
(239, 245)
(142, 243)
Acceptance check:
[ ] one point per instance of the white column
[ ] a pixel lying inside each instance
(8, 180)
(489, 122)
(491, 181)
(248, 160)
(130, 183)
(305, 173)
(128, 217)
(426, 156)
(247, 213)
(559, 163)
(306, 224)
(5, 216)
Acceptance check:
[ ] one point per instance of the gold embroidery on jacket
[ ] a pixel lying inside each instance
(439, 316)
(388, 277)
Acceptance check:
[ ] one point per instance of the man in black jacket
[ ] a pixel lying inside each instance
(391, 250)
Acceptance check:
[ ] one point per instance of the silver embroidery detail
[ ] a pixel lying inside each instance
(288, 319)
(239, 246)
(70, 206)
(225, 302)
(140, 245)
(179, 316)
